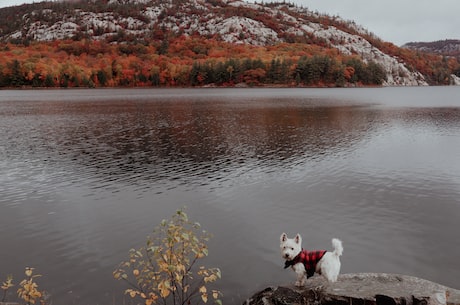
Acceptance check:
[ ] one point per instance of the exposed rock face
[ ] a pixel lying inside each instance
(397, 73)
(454, 80)
(361, 288)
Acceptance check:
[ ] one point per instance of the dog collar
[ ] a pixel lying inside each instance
(294, 261)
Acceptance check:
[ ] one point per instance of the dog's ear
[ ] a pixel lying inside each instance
(298, 239)
(283, 237)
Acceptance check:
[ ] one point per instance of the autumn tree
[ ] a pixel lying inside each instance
(166, 270)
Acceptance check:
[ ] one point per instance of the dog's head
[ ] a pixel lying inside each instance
(290, 247)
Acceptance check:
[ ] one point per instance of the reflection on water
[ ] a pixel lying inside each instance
(178, 142)
(86, 175)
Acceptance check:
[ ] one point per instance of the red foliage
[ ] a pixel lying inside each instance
(96, 63)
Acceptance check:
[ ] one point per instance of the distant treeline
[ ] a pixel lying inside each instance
(313, 70)
(179, 62)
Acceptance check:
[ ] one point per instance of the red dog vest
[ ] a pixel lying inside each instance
(308, 258)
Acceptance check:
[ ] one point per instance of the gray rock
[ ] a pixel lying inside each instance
(360, 288)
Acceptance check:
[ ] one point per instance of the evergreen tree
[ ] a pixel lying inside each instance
(49, 81)
(220, 73)
(377, 73)
(102, 77)
(16, 78)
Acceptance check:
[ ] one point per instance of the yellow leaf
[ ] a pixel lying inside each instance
(132, 293)
(153, 297)
(215, 294)
(204, 297)
(181, 268)
(211, 278)
(164, 293)
(136, 272)
(148, 301)
(179, 277)
(163, 266)
(203, 289)
(29, 271)
(164, 290)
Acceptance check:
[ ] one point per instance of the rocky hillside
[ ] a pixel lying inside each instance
(448, 47)
(231, 21)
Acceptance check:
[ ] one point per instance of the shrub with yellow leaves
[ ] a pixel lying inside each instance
(166, 269)
(28, 288)
(6, 285)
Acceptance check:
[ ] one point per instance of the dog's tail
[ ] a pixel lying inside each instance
(338, 248)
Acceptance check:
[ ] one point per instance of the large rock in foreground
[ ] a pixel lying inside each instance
(360, 288)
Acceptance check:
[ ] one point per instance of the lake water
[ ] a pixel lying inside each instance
(87, 174)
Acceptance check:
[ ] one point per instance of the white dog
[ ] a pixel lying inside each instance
(306, 263)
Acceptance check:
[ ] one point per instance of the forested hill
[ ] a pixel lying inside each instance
(448, 47)
(200, 42)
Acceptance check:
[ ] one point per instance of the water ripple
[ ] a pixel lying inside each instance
(85, 179)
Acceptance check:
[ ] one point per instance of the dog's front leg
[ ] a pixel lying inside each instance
(300, 271)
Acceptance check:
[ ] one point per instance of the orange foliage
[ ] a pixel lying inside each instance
(348, 73)
(97, 63)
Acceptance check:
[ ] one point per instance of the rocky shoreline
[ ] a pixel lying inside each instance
(360, 288)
